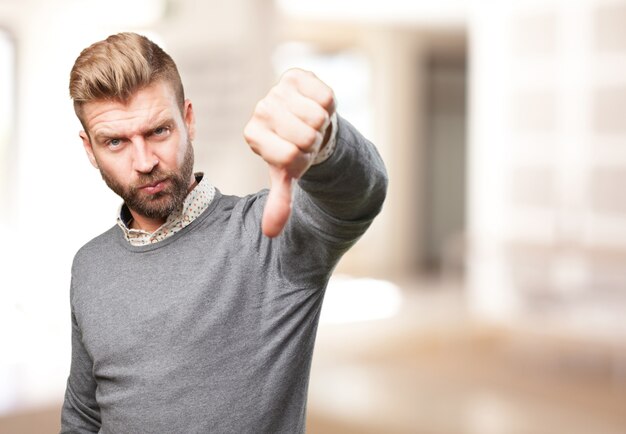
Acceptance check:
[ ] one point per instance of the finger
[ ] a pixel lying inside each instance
(275, 150)
(278, 206)
(306, 109)
(309, 85)
(289, 126)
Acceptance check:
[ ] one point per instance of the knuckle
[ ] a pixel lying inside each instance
(277, 92)
(261, 110)
(292, 154)
(289, 157)
(308, 139)
(251, 137)
(319, 119)
(248, 132)
(295, 76)
(291, 76)
(327, 97)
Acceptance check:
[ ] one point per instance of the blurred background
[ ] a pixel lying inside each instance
(489, 297)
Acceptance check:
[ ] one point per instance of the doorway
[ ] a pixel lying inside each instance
(444, 163)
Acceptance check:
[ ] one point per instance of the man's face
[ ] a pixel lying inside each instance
(143, 148)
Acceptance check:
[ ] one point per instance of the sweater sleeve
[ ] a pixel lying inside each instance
(80, 413)
(339, 198)
(333, 205)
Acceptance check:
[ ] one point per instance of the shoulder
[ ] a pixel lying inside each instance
(244, 210)
(227, 203)
(95, 248)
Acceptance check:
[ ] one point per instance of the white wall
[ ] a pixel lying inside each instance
(547, 162)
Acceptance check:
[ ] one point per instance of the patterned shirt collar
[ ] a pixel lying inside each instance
(195, 203)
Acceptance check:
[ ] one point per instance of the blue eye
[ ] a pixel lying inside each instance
(115, 142)
(160, 131)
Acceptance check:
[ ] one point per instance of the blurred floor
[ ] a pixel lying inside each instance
(430, 369)
(34, 421)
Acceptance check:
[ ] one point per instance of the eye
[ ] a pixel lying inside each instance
(161, 131)
(114, 143)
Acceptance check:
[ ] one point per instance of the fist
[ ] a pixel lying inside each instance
(287, 129)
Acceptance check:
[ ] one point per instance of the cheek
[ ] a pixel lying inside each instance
(178, 155)
(169, 158)
(181, 154)
(115, 168)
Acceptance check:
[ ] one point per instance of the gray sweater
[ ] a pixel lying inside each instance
(212, 330)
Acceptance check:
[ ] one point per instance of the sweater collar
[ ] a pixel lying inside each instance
(195, 204)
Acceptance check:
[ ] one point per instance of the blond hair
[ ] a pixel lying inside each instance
(117, 67)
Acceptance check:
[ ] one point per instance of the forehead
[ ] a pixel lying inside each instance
(154, 103)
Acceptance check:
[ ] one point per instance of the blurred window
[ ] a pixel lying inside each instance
(346, 71)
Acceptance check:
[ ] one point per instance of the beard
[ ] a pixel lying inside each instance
(159, 205)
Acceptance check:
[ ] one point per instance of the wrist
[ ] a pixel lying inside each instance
(329, 143)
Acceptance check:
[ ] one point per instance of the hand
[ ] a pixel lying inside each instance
(287, 129)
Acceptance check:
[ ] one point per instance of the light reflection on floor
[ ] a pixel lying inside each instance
(430, 369)
(351, 299)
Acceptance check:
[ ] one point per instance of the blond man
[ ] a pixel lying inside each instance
(197, 311)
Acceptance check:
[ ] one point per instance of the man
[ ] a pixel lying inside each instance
(197, 312)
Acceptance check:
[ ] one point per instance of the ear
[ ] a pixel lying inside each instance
(190, 119)
(88, 148)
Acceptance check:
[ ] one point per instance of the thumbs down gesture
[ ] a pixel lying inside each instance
(288, 128)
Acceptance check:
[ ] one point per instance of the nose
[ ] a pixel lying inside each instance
(144, 159)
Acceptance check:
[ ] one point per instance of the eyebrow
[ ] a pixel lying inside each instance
(154, 124)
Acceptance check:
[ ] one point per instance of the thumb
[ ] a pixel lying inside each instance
(278, 205)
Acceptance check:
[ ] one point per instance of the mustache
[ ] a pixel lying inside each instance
(150, 178)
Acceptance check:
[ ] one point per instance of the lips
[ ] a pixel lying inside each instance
(154, 187)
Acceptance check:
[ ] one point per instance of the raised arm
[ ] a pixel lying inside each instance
(288, 129)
